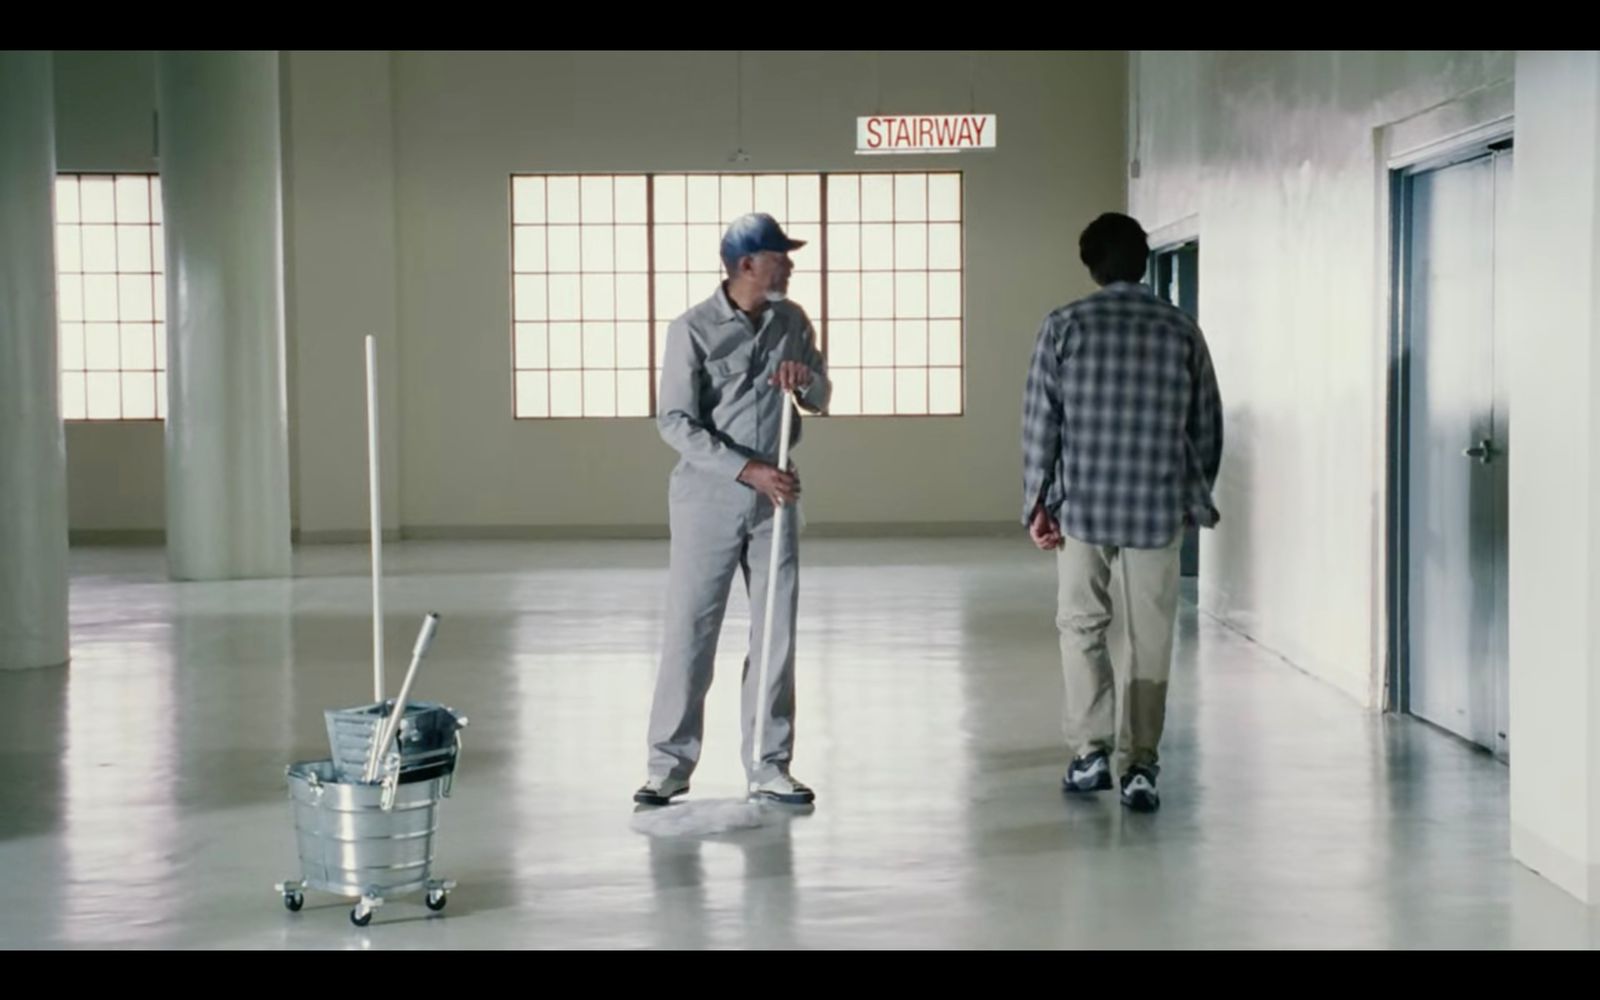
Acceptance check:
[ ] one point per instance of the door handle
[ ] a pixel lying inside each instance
(1484, 451)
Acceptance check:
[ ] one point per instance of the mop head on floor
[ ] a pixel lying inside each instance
(701, 818)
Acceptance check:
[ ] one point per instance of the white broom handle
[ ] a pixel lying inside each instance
(772, 591)
(374, 483)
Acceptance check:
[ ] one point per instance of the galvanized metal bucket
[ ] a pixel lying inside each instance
(367, 841)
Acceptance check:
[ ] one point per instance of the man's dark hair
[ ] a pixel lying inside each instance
(1114, 248)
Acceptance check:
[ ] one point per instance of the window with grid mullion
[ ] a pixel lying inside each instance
(580, 297)
(894, 293)
(602, 264)
(111, 297)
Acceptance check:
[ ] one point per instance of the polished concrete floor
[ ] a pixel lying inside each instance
(144, 802)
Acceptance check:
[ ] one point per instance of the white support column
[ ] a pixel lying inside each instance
(227, 421)
(33, 455)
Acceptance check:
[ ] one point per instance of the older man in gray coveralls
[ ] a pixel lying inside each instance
(730, 362)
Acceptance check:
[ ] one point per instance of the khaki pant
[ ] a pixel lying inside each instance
(1115, 609)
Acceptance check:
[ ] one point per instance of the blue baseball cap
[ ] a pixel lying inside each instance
(754, 233)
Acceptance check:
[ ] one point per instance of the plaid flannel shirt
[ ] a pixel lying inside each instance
(1121, 421)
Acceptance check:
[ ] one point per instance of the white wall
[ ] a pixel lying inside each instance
(339, 235)
(1555, 478)
(1281, 157)
(396, 170)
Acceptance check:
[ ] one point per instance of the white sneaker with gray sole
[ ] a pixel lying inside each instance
(783, 788)
(660, 791)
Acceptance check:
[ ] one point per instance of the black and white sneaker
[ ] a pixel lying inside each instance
(1088, 774)
(783, 789)
(1139, 790)
(660, 791)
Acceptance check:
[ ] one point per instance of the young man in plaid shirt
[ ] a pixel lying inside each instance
(1121, 440)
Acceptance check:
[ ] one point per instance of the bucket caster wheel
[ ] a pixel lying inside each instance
(436, 899)
(293, 896)
(361, 913)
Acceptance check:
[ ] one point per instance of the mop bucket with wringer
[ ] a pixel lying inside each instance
(366, 816)
(365, 827)
(428, 741)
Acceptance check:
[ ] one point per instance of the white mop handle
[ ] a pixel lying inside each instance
(391, 725)
(430, 626)
(772, 592)
(375, 507)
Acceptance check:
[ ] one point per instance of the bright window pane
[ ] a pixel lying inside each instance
(533, 394)
(102, 347)
(599, 345)
(566, 345)
(633, 296)
(104, 395)
(69, 298)
(844, 198)
(566, 296)
(600, 393)
(633, 394)
(527, 200)
(69, 249)
(911, 343)
(133, 201)
(670, 199)
(877, 247)
(911, 391)
(597, 194)
(877, 343)
(877, 391)
(530, 294)
(566, 394)
(97, 199)
(632, 205)
(805, 198)
(737, 197)
(944, 342)
(139, 351)
(633, 249)
(705, 202)
(565, 249)
(133, 248)
(844, 344)
(99, 249)
(944, 390)
(533, 345)
(633, 345)
(910, 198)
(528, 249)
(599, 249)
(911, 246)
(877, 198)
(71, 352)
(772, 196)
(562, 200)
(670, 242)
(599, 296)
(944, 197)
(846, 401)
(138, 396)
